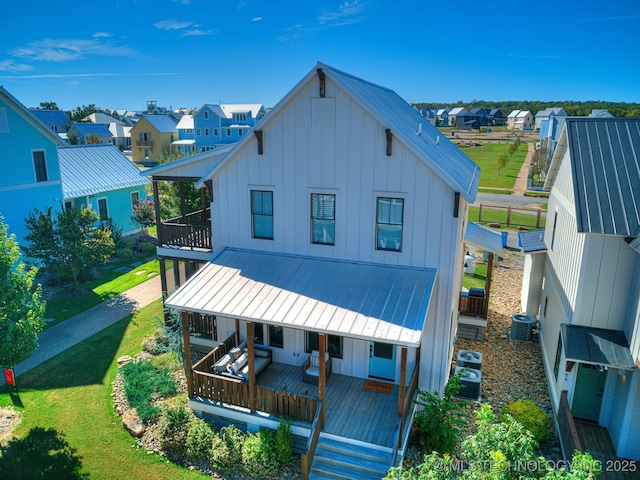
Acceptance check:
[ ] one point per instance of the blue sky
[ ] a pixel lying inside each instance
(183, 53)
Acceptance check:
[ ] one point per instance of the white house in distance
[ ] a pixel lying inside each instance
(589, 309)
(520, 120)
(337, 228)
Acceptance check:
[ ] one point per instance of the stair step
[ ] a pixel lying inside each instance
(354, 450)
(322, 469)
(346, 460)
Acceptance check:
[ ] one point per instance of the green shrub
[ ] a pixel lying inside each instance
(530, 415)
(127, 243)
(284, 442)
(226, 449)
(441, 421)
(199, 440)
(124, 253)
(173, 428)
(142, 382)
(259, 458)
(145, 247)
(168, 360)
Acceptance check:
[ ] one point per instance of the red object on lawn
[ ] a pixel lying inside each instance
(9, 377)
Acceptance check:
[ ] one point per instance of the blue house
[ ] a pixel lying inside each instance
(101, 177)
(30, 173)
(84, 129)
(217, 125)
(186, 144)
(56, 120)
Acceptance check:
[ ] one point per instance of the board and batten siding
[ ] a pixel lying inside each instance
(632, 325)
(333, 145)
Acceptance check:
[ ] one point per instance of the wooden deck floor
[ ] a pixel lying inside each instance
(350, 411)
(596, 440)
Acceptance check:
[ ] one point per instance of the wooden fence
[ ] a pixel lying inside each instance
(534, 213)
(567, 428)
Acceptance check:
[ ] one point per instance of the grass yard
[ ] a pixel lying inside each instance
(486, 155)
(110, 284)
(69, 427)
(494, 215)
(477, 280)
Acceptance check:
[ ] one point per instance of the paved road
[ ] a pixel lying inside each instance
(508, 200)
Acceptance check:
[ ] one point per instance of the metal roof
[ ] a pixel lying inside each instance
(162, 123)
(596, 346)
(548, 112)
(483, 237)
(532, 241)
(85, 129)
(605, 161)
(230, 108)
(50, 117)
(346, 298)
(185, 122)
(634, 243)
(92, 169)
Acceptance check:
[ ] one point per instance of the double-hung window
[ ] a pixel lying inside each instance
(276, 336)
(323, 219)
(334, 344)
(390, 212)
(40, 165)
(262, 214)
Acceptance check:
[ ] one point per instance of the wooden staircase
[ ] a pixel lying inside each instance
(337, 459)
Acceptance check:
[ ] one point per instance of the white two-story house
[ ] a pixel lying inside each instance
(586, 285)
(336, 231)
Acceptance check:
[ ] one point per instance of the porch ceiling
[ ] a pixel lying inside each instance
(360, 300)
(597, 346)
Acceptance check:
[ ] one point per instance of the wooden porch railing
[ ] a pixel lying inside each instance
(201, 324)
(567, 428)
(312, 443)
(192, 230)
(473, 306)
(408, 401)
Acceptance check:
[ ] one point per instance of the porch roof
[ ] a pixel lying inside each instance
(596, 346)
(353, 299)
(484, 237)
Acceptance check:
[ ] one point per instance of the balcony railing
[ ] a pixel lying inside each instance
(192, 230)
(567, 428)
(473, 306)
(144, 143)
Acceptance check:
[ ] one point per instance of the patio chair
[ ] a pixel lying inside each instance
(311, 367)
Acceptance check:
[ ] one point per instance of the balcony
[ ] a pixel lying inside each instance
(144, 143)
(192, 231)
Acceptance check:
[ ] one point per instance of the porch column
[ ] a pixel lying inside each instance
(188, 366)
(237, 332)
(487, 285)
(176, 274)
(163, 277)
(402, 390)
(183, 203)
(252, 369)
(156, 208)
(322, 374)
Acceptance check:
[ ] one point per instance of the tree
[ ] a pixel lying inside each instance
(502, 161)
(48, 106)
(513, 148)
(144, 215)
(72, 138)
(69, 244)
(92, 139)
(21, 305)
(540, 165)
(78, 113)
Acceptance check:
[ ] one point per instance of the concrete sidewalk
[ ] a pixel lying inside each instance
(66, 334)
(520, 185)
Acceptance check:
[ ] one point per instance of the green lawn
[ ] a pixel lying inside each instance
(478, 279)
(110, 284)
(68, 414)
(485, 156)
(491, 215)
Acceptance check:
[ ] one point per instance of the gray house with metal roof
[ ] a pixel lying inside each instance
(590, 309)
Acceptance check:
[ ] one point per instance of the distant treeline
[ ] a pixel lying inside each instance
(573, 108)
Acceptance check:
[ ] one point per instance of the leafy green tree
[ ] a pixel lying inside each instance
(169, 193)
(144, 215)
(48, 106)
(21, 305)
(92, 139)
(78, 113)
(502, 161)
(72, 138)
(68, 244)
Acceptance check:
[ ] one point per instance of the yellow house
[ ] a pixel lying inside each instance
(151, 136)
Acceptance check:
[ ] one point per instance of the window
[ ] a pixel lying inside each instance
(68, 205)
(239, 117)
(258, 332)
(334, 344)
(323, 220)
(389, 224)
(239, 132)
(40, 166)
(215, 132)
(228, 132)
(544, 310)
(553, 233)
(188, 130)
(135, 200)
(556, 365)
(103, 209)
(198, 132)
(262, 214)
(206, 115)
(276, 336)
(206, 132)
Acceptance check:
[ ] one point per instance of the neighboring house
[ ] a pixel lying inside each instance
(344, 239)
(550, 130)
(547, 114)
(482, 116)
(29, 164)
(151, 137)
(442, 117)
(588, 279)
(600, 113)
(98, 117)
(217, 125)
(56, 120)
(453, 114)
(102, 178)
(465, 120)
(186, 144)
(82, 130)
(520, 120)
(496, 118)
(120, 131)
(429, 114)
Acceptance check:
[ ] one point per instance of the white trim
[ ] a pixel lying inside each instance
(106, 203)
(131, 193)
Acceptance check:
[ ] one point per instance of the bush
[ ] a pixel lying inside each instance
(173, 428)
(226, 448)
(168, 360)
(259, 457)
(530, 415)
(284, 442)
(145, 247)
(127, 243)
(124, 253)
(199, 440)
(142, 382)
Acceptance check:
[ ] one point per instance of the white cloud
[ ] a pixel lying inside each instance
(346, 14)
(89, 75)
(12, 66)
(197, 32)
(101, 35)
(64, 50)
(172, 24)
(256, 19)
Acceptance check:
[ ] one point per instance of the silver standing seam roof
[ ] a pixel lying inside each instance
(597, 346)
(532, 241)
(93, 169)
(605, 161)
(483, 237)
(353, 299)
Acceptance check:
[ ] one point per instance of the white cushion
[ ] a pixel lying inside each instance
(313, 371)
(314, 362)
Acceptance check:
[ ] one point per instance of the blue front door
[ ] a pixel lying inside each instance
(382, 361)
(587, 396)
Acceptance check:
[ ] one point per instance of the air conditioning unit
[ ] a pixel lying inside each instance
(467, 358)
(470, 380)
(521, 327)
